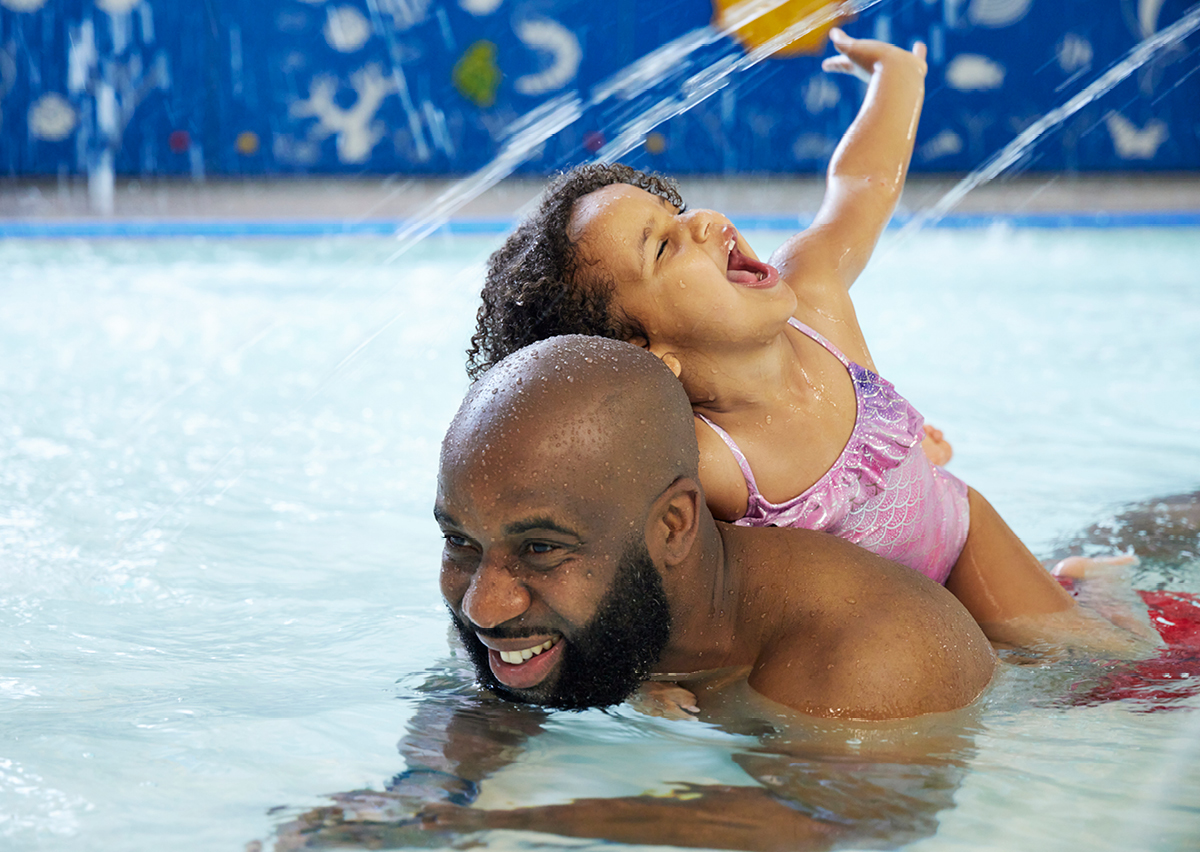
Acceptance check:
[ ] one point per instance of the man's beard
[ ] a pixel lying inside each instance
(611, 655)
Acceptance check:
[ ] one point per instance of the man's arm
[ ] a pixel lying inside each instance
(713, 816)
(901, 776)
(453, 742)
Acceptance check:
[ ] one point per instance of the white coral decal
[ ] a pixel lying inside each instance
(1132, 143)
(357, 132)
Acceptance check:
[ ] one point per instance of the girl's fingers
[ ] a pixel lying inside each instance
(858, 56)
(842, 65)
(838, 65)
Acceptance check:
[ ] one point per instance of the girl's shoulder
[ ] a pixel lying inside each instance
(834, 318)
(721, 476)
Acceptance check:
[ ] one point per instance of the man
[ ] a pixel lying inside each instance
(580, 559)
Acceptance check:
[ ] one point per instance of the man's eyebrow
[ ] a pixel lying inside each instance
(443, 518)
(543, 522)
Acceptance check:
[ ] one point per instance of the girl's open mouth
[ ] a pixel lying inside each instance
(748, 272)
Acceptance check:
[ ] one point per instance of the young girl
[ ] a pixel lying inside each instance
(794, 425)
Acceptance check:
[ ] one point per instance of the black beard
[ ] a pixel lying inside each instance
(611, 655)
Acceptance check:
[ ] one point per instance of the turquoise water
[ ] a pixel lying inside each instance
(218, 596)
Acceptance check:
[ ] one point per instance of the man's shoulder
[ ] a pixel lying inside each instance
(858, 663)
(859, 636)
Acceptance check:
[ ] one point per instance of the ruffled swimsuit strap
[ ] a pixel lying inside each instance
(737, 454)
(819, 338)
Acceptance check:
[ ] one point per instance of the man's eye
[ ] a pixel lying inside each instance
(662, 248)
(455, 540)
(541, 547)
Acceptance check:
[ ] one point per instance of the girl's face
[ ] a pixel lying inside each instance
(687, 277)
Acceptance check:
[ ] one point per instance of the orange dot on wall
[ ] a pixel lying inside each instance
(656, 143)
(247, 143)
(783, 15)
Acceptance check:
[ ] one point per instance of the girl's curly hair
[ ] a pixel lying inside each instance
(538, 285)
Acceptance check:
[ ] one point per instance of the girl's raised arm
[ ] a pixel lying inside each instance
(868, 168)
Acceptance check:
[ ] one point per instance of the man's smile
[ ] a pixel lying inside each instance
(522, 665)
(517, 657)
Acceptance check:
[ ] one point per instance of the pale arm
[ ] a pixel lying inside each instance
(867, 171)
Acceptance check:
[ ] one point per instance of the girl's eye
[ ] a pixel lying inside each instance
(662, 248)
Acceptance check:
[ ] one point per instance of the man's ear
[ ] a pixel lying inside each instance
(667, 357)
(674, 522)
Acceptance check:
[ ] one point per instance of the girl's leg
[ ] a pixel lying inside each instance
(1017, 602)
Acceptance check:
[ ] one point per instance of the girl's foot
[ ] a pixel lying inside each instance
(1093, 567)
(1102, 587)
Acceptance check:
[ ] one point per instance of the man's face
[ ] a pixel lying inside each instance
(608, 658)
(545, 569)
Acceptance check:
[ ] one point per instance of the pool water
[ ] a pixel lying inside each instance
(218, 598)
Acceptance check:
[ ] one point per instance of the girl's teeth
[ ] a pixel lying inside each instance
(514, 658)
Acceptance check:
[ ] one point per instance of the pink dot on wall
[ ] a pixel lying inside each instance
(179, 141)
(593, 141)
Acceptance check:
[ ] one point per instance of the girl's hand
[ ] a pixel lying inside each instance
(860, 55)
(937, 448)
(667, 700)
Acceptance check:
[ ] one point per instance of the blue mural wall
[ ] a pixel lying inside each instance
(280, 87)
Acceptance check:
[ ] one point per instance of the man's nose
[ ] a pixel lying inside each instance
(494, 595)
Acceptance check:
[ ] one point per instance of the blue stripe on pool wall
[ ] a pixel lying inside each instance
(118, 228)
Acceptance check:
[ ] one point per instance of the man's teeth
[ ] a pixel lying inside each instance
(514, 658)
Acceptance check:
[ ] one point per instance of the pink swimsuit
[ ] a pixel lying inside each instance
(882, 492)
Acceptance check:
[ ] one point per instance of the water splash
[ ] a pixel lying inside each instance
(415, 125)
(670, 62)
(534, 129)
(712, 78)
(1015, 150)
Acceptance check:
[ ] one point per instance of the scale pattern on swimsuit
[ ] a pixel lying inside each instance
(882, 492)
